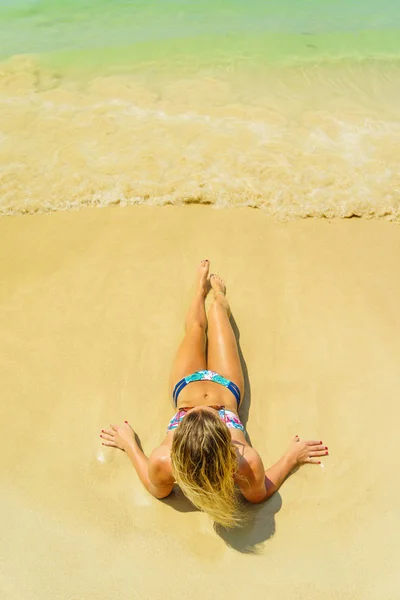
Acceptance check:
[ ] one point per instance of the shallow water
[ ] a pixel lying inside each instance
(31, 26)
(290, 108)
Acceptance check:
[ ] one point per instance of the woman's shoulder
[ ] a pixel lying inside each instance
(250, 464)
(251, 475)
(159, 465)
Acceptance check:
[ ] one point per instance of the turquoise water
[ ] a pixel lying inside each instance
(291, 107)
(339, 27)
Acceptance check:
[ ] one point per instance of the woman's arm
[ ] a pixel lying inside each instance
(258, 485)
(153, 472)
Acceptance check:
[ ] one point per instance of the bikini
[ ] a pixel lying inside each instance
(227, 416)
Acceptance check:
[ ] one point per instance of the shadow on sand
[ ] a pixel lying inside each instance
(244, 409)
(258, 525)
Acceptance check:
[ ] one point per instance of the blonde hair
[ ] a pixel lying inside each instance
(204, 463)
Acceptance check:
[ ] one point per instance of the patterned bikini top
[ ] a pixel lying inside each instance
(227, 416)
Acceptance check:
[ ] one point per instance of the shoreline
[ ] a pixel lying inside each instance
(296, 141)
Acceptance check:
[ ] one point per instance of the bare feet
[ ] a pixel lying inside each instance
(202, 277)
(217, 284)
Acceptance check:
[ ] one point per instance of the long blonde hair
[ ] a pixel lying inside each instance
(204, 463)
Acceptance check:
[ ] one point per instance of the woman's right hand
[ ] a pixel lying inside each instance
(118, 436)
(306, 451)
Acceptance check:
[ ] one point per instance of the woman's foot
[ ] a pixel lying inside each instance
(202, 275)
(218, 285)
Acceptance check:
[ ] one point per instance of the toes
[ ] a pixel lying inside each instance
(216, 279)
(203, 268)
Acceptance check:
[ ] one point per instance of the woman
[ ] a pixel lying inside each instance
(205, 449)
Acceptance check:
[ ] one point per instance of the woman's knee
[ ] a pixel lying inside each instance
(196, 326)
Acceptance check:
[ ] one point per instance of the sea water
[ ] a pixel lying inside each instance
(290, 107)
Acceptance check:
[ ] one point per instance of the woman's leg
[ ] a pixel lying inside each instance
(191, 354)
(223, 354)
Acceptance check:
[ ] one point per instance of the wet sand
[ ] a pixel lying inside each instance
(93, 304)
(308, 140)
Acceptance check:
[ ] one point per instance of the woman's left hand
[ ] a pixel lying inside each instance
(306, 451)
(118, 436)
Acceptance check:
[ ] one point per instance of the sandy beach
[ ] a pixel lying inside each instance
(92, 308)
